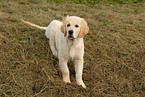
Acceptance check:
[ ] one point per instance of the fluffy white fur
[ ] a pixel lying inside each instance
(67, 46)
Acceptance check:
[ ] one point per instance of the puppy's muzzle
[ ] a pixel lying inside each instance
(70, 34)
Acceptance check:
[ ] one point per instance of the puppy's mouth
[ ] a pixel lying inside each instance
(71, 38)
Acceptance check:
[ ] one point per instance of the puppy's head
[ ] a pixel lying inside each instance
(74, 27)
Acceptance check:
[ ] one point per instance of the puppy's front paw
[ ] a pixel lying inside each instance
(82, 84)
(66, 80)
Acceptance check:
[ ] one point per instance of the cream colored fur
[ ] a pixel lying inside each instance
(67, 48)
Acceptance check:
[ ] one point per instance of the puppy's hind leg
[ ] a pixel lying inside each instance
(52, 46)
(51, 36)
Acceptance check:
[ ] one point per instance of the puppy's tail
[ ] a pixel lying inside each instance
(34, 25)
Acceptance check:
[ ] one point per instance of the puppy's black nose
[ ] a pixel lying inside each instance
(70, 32)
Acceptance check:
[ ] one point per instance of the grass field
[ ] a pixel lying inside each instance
(114, 50)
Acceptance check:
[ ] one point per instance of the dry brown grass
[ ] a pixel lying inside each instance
(114, 50)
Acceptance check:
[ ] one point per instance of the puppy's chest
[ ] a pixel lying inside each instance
(75, 53)
(72, 52)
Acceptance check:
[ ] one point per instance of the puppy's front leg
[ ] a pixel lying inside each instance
(64, 69)
(79, 69)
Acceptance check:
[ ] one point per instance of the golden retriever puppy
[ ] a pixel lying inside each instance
(66, 43)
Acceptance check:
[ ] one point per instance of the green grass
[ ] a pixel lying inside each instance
(114, 50)
(98, 1)
(82, 1)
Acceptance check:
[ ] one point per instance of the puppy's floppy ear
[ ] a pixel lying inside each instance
(63, 29)
(84, 28)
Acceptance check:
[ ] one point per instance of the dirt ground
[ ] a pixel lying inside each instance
(114, 62)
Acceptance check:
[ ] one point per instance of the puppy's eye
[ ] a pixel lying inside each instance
(68, 25)
(76, 26)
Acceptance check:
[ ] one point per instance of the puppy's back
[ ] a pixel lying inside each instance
(53, 28)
